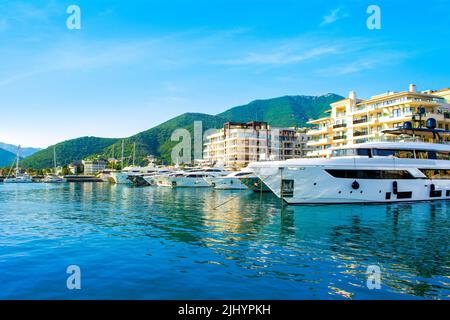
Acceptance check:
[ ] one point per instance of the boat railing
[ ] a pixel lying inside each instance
(403, 139)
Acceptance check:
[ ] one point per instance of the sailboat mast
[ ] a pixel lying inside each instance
(121, 159)
(134, 152)
(54, 158)
(17, 160)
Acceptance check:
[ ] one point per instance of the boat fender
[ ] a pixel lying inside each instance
(355, 185)
(395, 187)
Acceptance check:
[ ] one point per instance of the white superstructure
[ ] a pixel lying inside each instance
(368, 172)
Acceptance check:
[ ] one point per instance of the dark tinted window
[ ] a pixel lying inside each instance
(443, 155)
(363, 152)
(370, 174)
(409, 154)
(437, 173)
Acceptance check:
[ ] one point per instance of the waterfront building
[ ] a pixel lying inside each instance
(353, 121)
(237, 144)
(75, 167)
(94, 166)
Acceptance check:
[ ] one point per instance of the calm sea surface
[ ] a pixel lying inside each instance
(158, 243)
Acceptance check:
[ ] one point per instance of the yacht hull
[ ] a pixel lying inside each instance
(228, 184)
(314, 185)
(120, 178)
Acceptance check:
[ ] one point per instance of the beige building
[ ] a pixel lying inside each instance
(353, 120)
(238, 144)
(93, 166)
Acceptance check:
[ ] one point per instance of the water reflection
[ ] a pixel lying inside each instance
(257, 243)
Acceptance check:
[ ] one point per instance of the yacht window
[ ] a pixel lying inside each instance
(351, 152)
(241, 174)
(443, 155)
(421, 154)
(370, 174)
(436, 173)
(408, 154)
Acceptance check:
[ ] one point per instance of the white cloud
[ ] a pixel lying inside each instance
(333, 16)
(378, 59)
(282, 56)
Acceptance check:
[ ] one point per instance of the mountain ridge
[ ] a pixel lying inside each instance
(24, 152)
(6, 157)
(285, 111)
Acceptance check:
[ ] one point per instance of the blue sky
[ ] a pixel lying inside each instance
(135, 64)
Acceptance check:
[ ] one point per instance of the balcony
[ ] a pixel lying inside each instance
(340, 137)
(339, 125)
(358, 121)
(360, 133)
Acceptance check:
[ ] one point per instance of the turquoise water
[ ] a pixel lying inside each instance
(157, 243)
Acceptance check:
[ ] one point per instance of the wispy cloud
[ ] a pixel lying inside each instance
(282, 56)
(333, 16)
(371, 61)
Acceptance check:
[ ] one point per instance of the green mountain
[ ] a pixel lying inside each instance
(287, 111)
(6, 158)
(156, 141)
(67, 152)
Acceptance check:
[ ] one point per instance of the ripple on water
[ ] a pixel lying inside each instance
(161, 243)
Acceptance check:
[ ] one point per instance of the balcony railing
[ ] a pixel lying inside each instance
(339, 125)
(341, 137)
(360, 133)
(363, 120)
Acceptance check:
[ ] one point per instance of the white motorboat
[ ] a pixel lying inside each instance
(52, 178)
(233, 181)
(369, 172)
(196, 178)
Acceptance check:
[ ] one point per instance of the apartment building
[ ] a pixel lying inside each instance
(237, 144)
(353, 120)
(94, 166)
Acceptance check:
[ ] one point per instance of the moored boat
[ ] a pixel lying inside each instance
(19, 176)
(368, 172)
(233, 181)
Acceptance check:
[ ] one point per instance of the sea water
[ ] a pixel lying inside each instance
(163, 243)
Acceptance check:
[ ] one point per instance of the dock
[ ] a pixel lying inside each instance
(75, 178)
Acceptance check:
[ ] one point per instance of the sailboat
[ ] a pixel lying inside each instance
(19, 177)
(122, 176)
(53, 177)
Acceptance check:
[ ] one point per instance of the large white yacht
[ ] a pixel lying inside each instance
(368, 172)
